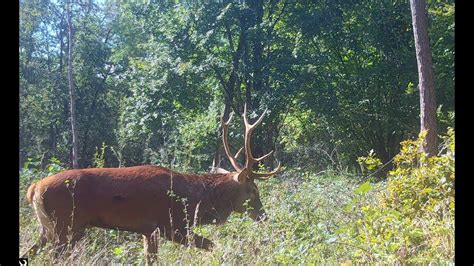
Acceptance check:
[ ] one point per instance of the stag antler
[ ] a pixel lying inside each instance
(232, 159)
(250, 160)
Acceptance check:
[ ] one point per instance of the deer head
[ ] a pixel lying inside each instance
(244, 176)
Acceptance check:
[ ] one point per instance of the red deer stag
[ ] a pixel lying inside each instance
(143, 199)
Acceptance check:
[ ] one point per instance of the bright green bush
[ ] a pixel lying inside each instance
(412, 219)
(98, 159)
(369, 163)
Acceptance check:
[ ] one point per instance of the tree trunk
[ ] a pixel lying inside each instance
(258, 45)
(71, 88)
(425, 76)
(230, 85)
(255, 63)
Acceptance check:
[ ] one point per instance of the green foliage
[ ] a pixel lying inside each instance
(338, 78)
(32, 171)
(294, 126)
(99, 156)
(305, 140)
(194, 137)
(369, 163)
(412, 219)
(118, 251)
(363, 189)
(44, 98)
(441, 33)
(54, 166)
(34, 167)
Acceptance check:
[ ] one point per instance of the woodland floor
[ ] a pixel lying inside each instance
(305, 212)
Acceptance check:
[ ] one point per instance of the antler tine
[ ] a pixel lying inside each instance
(263, 157)
(252, 126)
(238, 153)
(250, 159)
(228, 120)
(232, 159)
(265, 176)
(260, 119)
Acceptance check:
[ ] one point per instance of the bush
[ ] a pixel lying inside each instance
(369, 163)
(412, 220)
(193, 137)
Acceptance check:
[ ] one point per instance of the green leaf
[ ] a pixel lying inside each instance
(364, 188)
(348, 208)
(118, 251)
(427, 190)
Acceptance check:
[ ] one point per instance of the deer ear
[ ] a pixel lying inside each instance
(242, 176)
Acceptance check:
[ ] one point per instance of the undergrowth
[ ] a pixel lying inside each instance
(304, 213)
(411, 218)
(313, 220)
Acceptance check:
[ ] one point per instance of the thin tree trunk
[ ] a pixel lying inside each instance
(258, 46)
(71, 88)
(230, 85)
(425, 76)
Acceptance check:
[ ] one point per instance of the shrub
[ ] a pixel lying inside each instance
(412, 219)
(98, 160)
(369, 163)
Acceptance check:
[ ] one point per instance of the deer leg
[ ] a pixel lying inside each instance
(202, 242)
(150, 246)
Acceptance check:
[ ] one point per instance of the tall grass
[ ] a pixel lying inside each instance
(304, 213)
(313, 219)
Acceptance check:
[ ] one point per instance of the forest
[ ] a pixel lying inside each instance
(124, 83)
